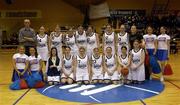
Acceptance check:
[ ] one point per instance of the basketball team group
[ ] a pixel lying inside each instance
(77, 56)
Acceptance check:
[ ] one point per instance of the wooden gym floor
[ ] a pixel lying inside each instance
(170, 95)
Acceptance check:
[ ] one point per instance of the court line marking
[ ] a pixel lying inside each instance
(173, 84)
(82, 87)
(21, 97)
(95, 99)
(133, 87)
(68, 86)
(170, 82)
(98, 90)
(142, 102)
(47, 88)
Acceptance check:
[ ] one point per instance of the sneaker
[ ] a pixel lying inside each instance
(162, 79)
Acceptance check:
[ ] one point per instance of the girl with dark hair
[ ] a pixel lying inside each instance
(35, 62)
(124, 61)
(53, 67)
(163, 49)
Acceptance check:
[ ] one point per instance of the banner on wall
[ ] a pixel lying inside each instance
(119, 12)
(11, 14)
(99, 11)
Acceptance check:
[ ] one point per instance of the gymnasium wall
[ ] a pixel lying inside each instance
(52, 12)
(58, 12)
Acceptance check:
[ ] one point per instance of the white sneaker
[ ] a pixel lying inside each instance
(162, 79)
(150, 78)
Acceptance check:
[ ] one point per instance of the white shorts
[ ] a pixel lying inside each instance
(53, 78)
(70, 76)
(82, 77)
(97, 77)
(115, 76)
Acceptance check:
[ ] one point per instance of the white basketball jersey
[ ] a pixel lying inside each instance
(97, 64)
(124, 60)
(123, 39)
(110, 63)
(81, 39)
(136, 56)
(70, 41)
(68, 64)
(109, 40)
(82, 64)
(56, 41)
(42, 42)
(91, 41)
(34, 62)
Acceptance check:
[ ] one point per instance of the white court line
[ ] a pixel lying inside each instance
(83, 87)
(68, 86)
(98, 90)
(95, 99)
(133, 87)
(48, 88)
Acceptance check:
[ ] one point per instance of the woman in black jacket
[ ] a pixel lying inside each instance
(53, 67)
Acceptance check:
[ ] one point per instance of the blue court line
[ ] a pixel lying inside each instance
(21, 97)
(142, 102)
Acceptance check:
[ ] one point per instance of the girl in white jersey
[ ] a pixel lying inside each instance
(150, 42)
(56, 40)
(109, 39)
(67, 67)
(71, 41)
(92, 40)
(122, 39)
(42, 44)
(81, 39)
(97, 66)
(124, 62)
(110, 67)
(137, 63)
(82, 70)
(20, 64)
(35, 62)
(163, 49)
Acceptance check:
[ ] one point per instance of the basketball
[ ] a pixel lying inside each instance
(124, 71)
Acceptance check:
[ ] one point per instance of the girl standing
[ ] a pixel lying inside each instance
(42, 44)
(163, 49)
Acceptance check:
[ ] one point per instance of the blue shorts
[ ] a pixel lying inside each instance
(15, 75)
(162, 55)
(150, 51)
